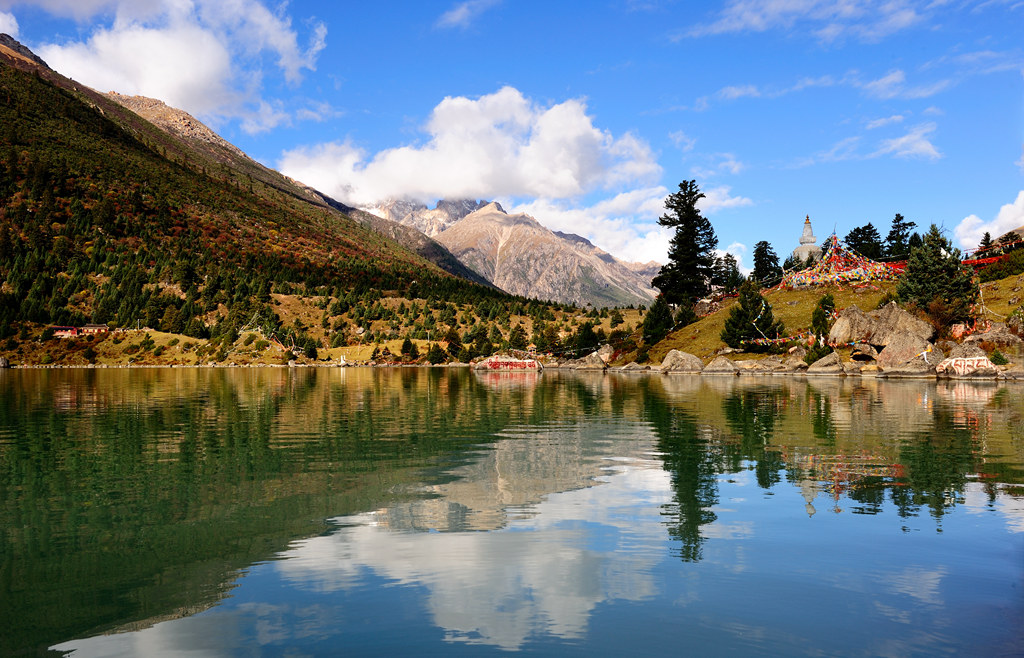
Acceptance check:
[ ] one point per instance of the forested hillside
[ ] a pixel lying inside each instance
(106, 218)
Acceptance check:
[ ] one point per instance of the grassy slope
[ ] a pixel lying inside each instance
(794, 308)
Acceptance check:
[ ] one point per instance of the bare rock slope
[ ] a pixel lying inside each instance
(519, 255)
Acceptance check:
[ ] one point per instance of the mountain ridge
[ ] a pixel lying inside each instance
(521, 256)
(604, 281)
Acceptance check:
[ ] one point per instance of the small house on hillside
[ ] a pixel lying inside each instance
(94, 329)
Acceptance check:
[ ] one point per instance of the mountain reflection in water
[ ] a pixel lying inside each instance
(418, 511)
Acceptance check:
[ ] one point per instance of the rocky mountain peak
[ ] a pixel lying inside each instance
(458, 208)
(173, 120)
(14, 48)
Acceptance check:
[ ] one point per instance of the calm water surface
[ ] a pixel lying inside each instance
(440, 512)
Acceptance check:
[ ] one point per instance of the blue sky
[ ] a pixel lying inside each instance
(586, 114)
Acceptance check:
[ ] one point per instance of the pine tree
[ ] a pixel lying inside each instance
(691, 253)
(865, 240)
(935, 280)
(435, 354)
(986, 242)
(658, 321)
(751, 319)
(766, 264)
(896, 243)
(820, 328)
(517, 338)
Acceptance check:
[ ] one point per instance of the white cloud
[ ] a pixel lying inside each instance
(683, 142)
(498, 145)
(971, 229)
(624, 225)
(722, 163)
(878, 123)
(915, 144)
(738, 91)
(185, 66)
(463, 14)
(828, 20)
(8, 24)
(205, 57)
(720, 198)
(893, 85)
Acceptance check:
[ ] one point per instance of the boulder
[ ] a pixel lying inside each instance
(606, 352)
(681, 362)
(830, 364)
(591, 362)
(796, 363)
(1015, 323)
(633, 366)
(966, 351)
(720, 366)
(972, 366)
(749, 366)
(773, 364)
(999, 336)
(799, 351)
(892, 321)
(4, 363)
(1015, 371)
(851, 325)
(863, 352)
(902, 349)
(879, 327)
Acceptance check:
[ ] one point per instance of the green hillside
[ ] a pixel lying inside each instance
(106, 218)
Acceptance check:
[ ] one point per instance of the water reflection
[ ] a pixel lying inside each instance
(301, 508)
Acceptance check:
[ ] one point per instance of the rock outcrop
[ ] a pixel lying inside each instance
(877, 328)
(971, 366)
(720, 366)
(429, 221)
(999, 335)
(903, 349)
(681, 363)
(830, 364)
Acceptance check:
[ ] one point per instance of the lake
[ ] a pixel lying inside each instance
(412, 511)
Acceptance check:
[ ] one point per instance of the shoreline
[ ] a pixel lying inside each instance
(1003, 373)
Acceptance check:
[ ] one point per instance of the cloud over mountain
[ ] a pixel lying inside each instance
(971, 229)
(208, 57)
(506, 146)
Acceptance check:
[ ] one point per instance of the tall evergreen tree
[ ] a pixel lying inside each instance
(766, 264)
(658, 321)
(986, 242)
(691, 256)
(896, 246)
(936, 280)
(865, 240)
(727, 273)
(751, 319)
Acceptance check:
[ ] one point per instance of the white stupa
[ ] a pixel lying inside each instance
(808, 246)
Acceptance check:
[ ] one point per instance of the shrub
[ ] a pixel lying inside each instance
(750, 320)
(936, 280)
(998, 358)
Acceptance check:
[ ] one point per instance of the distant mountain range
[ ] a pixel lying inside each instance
(519, 255)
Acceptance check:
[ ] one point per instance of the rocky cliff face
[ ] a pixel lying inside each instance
(429, 221)
(517, 254)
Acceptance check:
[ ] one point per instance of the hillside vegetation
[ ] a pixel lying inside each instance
(106, 218)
